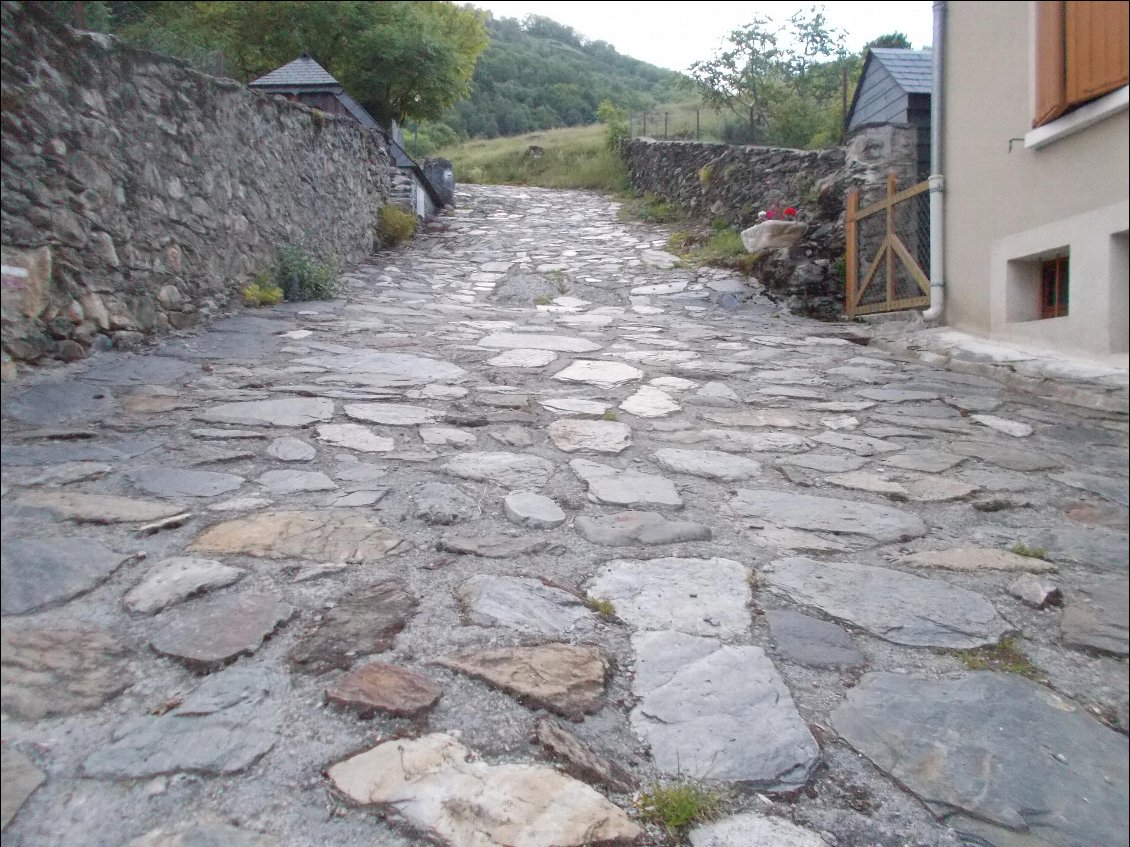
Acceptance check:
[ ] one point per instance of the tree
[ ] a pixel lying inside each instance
(891, 39)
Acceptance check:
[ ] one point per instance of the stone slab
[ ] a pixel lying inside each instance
(827, 514)
(753, 830)
(99, 508)
(392, 414)
(1097, 616)
(977, 559)
(697, 596)
(276, 412)
(491, 546)
(355, 437)
(515, 471)
(379, 367)
(650, 402)
(708, 464)
(294, 482)
(388, 689)
(523, 604)
(438, 503)
(577, 435)
(207, 834)
(36, 574)
(603, 374)
(172, 581)
(619, 487)
(210, 634)
(19, 777)
(896, 606)
(290, 449)
(339, 536)
(626, 529)
(719, 712)
(581, 760)
(177, 482)
(537, 341)
(528, 508)
(994, 756)
(523, 358)
(808, 641)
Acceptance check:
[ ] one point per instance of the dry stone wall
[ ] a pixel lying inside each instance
(140, 195)
(733, 183)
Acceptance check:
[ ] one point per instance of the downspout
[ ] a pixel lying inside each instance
(937, 181)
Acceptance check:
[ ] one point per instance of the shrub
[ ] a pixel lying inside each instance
(395, 226)
(262, 293)
(302, 276)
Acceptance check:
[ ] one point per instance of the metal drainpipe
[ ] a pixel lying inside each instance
(937, 181)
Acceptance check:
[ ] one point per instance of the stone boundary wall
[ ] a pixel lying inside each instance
(139, 194)
(733, 183)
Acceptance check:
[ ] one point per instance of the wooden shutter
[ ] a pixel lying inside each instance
(1096, 43)
(1051, 94)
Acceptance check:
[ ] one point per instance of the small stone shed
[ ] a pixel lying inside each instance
(894, 89)
(309, 83)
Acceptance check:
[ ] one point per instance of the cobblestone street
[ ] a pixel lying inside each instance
(531, 520)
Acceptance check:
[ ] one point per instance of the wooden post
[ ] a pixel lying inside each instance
(664, 124)
(697, 135)
(644, 123)
(851, 258)
(892, 188)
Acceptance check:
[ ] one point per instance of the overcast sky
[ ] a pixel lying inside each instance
(674, 34)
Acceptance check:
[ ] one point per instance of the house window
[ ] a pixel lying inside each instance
(1054, 287)
(1081, 54)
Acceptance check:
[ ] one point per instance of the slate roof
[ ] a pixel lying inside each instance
(303, 72)
(913, 70)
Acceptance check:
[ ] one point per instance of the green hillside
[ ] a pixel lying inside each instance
(538, 74)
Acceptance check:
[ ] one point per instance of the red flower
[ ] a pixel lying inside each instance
(790, 212)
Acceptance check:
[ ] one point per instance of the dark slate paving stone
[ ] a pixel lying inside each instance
(57, 452)
(995, 756)
(113, 368)
(175, 482)
(812, 642)
(48, 404)
(215, 632)
(37, 574)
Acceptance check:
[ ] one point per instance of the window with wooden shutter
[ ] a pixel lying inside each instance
(1081, 53)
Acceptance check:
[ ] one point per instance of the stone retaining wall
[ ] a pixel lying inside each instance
(139, 194)
(734, 183)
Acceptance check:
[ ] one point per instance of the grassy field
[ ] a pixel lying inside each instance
(681, 122)
(573, 157)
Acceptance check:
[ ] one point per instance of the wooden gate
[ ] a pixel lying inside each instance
(888, 245)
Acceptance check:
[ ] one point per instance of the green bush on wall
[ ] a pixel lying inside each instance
(395, 226)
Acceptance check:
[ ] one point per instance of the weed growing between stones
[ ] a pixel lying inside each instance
(395, 226)
(1021, 549)
(1005, 657)
(302, 276)
(610, 415)
(601, 606)
(262, 292)
(677, 805)
(543, 299)
(721, 247)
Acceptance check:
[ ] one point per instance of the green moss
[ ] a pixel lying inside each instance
(1005, 657)
(610, 415)
(395, 226)
(1021, 549)
(678, 805)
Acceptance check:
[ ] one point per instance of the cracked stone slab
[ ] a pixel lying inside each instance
(581, 760)
(977, 559)
(447, 436)
(827, 514)
(736, 441)
(362, 623)
(1110, 488)
(708, 464)
(697, 596)
(528, 508)
(994, 755)
(523, 358)
(99, 508)
(566, 679)
(491, 546)
(538, 341)
(355, 437)
(510, 470)
(1096, 616)
(926, 461)
(172, 581)
(619, 487)
(753, 830)
(599, 373)
(426, 782)
(760, 418)
(388, 689)
(1014, 428)
(861, 445)
(223, 726)
(720, 712)
(213, 633)
(176, 482)
(626, 529)
(896, 606)
(277, 412)
(53, 672)
(825, 462)
(575, 406)
(293, 482)
(19, 777)
(523, 604)
(392, 414)
(290, 449)
(808, 641)
(578, 435)
(1010, 458)
(650, 402)
(338, 536)
(65, 473)
(38, 574)
(437, 503)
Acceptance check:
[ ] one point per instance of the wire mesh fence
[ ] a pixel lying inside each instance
(688, 123)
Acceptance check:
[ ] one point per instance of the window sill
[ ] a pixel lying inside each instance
(1083, 117)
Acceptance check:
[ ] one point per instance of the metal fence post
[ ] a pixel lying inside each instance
(697, 134)
(664, 124)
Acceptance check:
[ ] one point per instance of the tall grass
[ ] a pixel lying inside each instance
(572, 157)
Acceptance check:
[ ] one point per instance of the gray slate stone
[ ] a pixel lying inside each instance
(753, 830)
(1097, 616)
(893, 605)
(37, 574)
(280, 411)
(19, 777)
(175, 482)
(1111, 488)
(209, 834)
(995, 756)
(292, 482)
(491, 546)
(510, 470)
(438, 503)
(290, 449)
(173, 580)
(625, 487)
(626, 529)
(224, 726)
(720, 712)
(48, 404)
(381, 368)
(214, 632)
(526, 508)
(828, 514)
(709, 464)
(524, 604)
(812, 642)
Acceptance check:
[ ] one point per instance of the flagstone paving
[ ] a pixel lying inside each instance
(321, 573)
